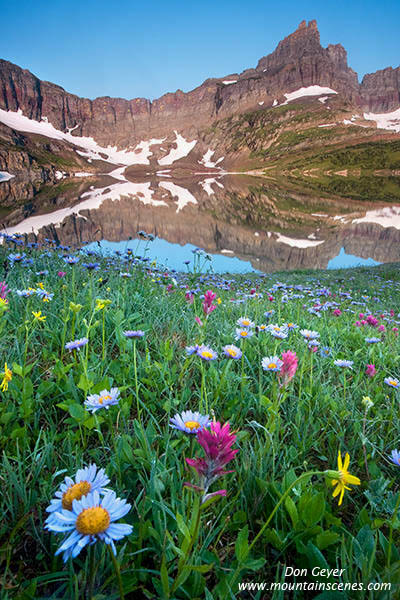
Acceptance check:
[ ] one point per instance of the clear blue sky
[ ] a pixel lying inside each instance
(138, 48)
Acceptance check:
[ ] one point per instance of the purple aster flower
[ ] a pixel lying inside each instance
(232, 351)
(395, 457)
(206, 353)
(192, 349)
(343, 363)
(243, 334)
(75, 345)
(103, 400)
(271, 363)
(190, 422)
(133, 334)
(392, 382)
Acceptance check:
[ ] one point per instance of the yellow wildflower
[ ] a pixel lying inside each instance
(219, 300)
(344, 478)
(100, 304)
(38, 316)
(7, 376)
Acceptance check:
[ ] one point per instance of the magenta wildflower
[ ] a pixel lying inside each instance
(3, 290)
(208, 305)
(61, 273)
(371, 320)
(289, 367)
(217, 445)
(370, 370)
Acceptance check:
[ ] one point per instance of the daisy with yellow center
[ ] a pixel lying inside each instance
(91, 519)
(75, 492)
(105, 399)
(88, 479)
(206, 353)
(345, 479)
(232, 351)
(190, 422)
(7, 376)
(192, 425)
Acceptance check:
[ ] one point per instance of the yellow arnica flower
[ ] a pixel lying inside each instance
(7, 377)
(100, 304)
(345, 478)
(38, 316)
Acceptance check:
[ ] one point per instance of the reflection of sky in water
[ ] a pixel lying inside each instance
(174, 255)
(344, 261)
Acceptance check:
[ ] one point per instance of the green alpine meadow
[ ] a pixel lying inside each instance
(185, 434)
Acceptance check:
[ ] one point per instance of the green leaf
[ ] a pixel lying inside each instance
(77, 412)
(200, 568)
(326, 538)
(242, 545)
(183, 528)
(85, 383)
(254, 564)
(312, 510)
(292, 510)
(315, 557)
(164, 576)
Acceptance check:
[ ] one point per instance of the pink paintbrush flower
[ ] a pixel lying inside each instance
(289, 367)
(217, 445)
(208, 305)
(3, 290)
(370, 370)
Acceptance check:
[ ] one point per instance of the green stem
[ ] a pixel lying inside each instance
(183, 561)
(136, 381)
(117, 573)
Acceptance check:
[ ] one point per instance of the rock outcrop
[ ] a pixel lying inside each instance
(298, 61)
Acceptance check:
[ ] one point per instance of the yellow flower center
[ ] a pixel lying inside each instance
(231, 352)
(93, 520)
(75, 492)
(103, 399)
(246, 322)
(272, 366)
(192, 425)
(392, 382)
(243, 333)
(207, 354)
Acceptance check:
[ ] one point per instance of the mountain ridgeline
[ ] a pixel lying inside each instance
(299, 103)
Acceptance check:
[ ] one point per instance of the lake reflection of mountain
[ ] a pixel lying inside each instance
(250, 218)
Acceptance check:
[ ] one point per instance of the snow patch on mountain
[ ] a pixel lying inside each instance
(206, 160)
(183, 147)
(311, 90)
(390, 121)
(92, 150)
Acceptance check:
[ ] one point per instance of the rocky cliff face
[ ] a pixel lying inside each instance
(298, 61)
(381, 90)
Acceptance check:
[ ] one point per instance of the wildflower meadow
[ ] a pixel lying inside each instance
(173, 435)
